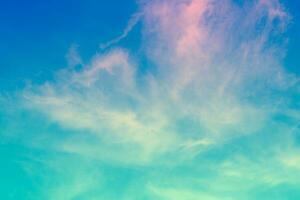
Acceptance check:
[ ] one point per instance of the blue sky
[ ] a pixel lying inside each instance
(159, 99)
(40, 33)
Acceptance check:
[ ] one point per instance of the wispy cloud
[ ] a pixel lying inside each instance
(217, 79)
(135, 18)
(218, 73)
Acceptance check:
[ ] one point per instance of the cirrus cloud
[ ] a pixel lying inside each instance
(218, 76)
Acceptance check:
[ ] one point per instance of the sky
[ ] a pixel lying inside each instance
(149, 100)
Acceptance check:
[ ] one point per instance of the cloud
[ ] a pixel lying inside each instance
(131, 24)
(171, 193)
(211, 114)
(73, 56)
(218, 76)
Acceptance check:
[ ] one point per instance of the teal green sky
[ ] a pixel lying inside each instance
(149, 100)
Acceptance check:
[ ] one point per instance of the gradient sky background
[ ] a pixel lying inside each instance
(158, 99)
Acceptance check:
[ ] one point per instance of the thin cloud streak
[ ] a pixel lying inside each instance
(135, 18)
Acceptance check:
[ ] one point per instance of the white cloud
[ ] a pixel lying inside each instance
(218, 75)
